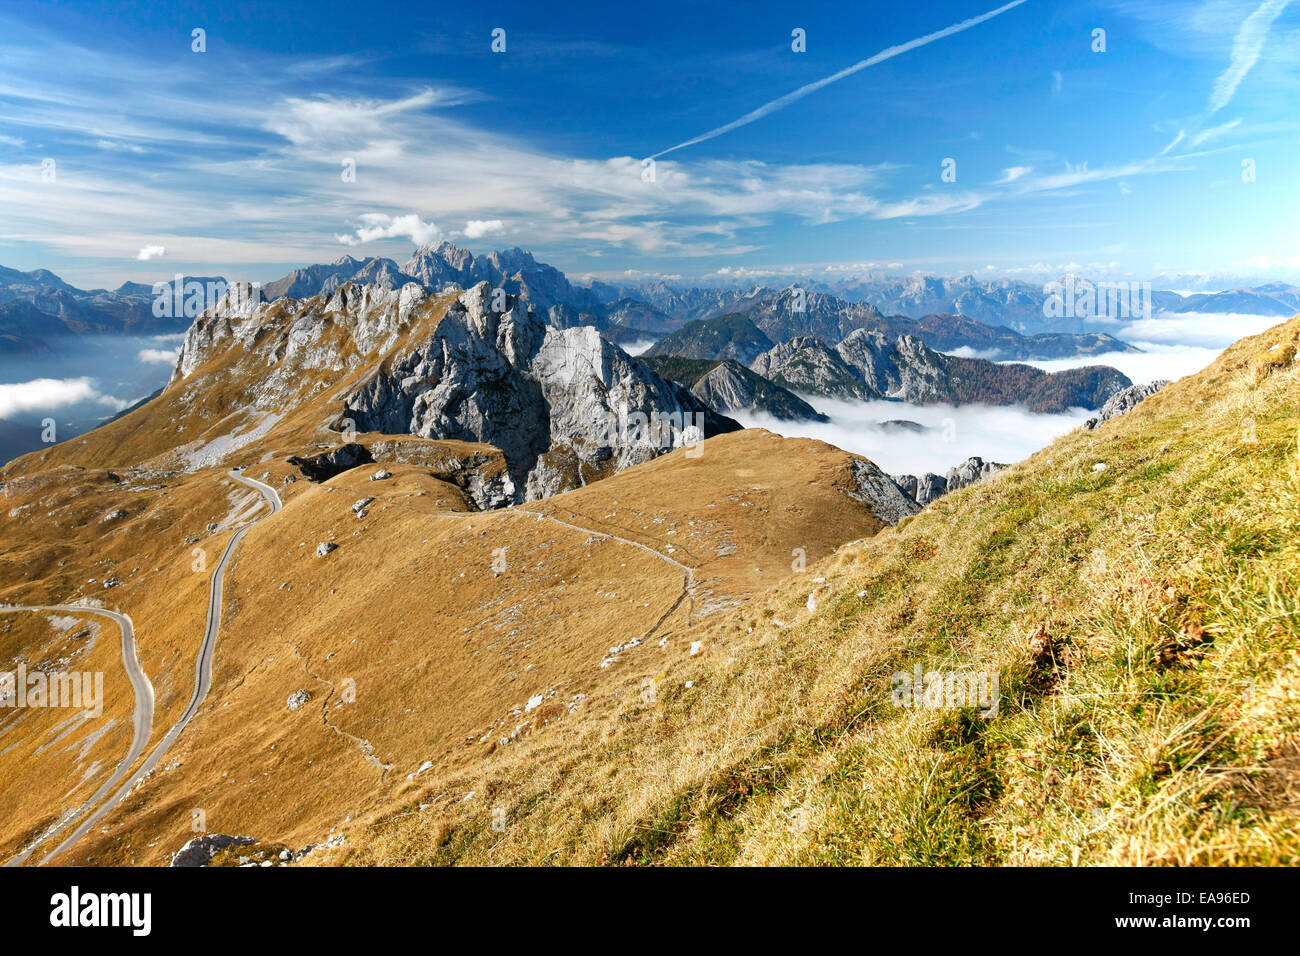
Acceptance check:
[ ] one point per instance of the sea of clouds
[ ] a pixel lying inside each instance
(1004, 434)
(1173, 345)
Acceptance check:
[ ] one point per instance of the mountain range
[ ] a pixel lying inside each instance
(1001, 318)
(1019, 305)
(37, 308)
(870, 363)
(409, 602)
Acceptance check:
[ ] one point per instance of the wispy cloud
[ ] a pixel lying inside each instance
(1247, 46)
(781, 102)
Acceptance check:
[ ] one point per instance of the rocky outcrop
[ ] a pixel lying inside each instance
(901, 368)
(875, 488)
(973, 469)
(867, 364)
(563, 405)
(328, 464)
(727, 386)
(439, 265)
(1124, 401)
(907, 483)
(805, 364)
(928, 487)
(203, 848)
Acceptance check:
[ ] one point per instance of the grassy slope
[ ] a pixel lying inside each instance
(1144, 621)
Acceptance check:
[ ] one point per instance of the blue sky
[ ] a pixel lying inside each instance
(1123, 163)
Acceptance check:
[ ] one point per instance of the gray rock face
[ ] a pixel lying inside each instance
(203, 848)
(878, 490)
(865, 365)
(559, 403)
(726, 390)
(564, 405)
(973, 469)
(805, 364)
(907, 483)
(439, 265)
(1124, 401)
(930, 486)
(903, 368)
(325, 547)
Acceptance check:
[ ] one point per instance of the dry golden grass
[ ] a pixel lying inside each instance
(443, 644)
(1128, 612)
(1142, 618)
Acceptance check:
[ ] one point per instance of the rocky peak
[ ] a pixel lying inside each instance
(565, 406)
(928, 487)
(805, 364)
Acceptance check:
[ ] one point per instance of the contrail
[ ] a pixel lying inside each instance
(887, 54)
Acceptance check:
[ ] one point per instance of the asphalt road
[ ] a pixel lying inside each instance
(202, 679)
(143, 717)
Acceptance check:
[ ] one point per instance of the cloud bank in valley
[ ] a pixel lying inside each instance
(1004, 434)
(1173, 344)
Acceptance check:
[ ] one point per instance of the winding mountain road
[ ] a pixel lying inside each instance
(142, 718)
(202, 682)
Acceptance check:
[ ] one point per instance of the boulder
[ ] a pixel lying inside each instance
(203, 848)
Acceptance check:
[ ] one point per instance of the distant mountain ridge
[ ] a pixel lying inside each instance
(38, 307)
(1002, 318)
(637, 313)
(868, 365)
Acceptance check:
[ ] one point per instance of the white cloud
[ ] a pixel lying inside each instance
(151, 252)
(478, 228)
(1246, 47)
(1012, 173)
(375, 225)
(1004, 434)
(1205, 329)
(47, 394)
(638, 347)
(158, 356)
(1156, 361)
(1213, 132)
